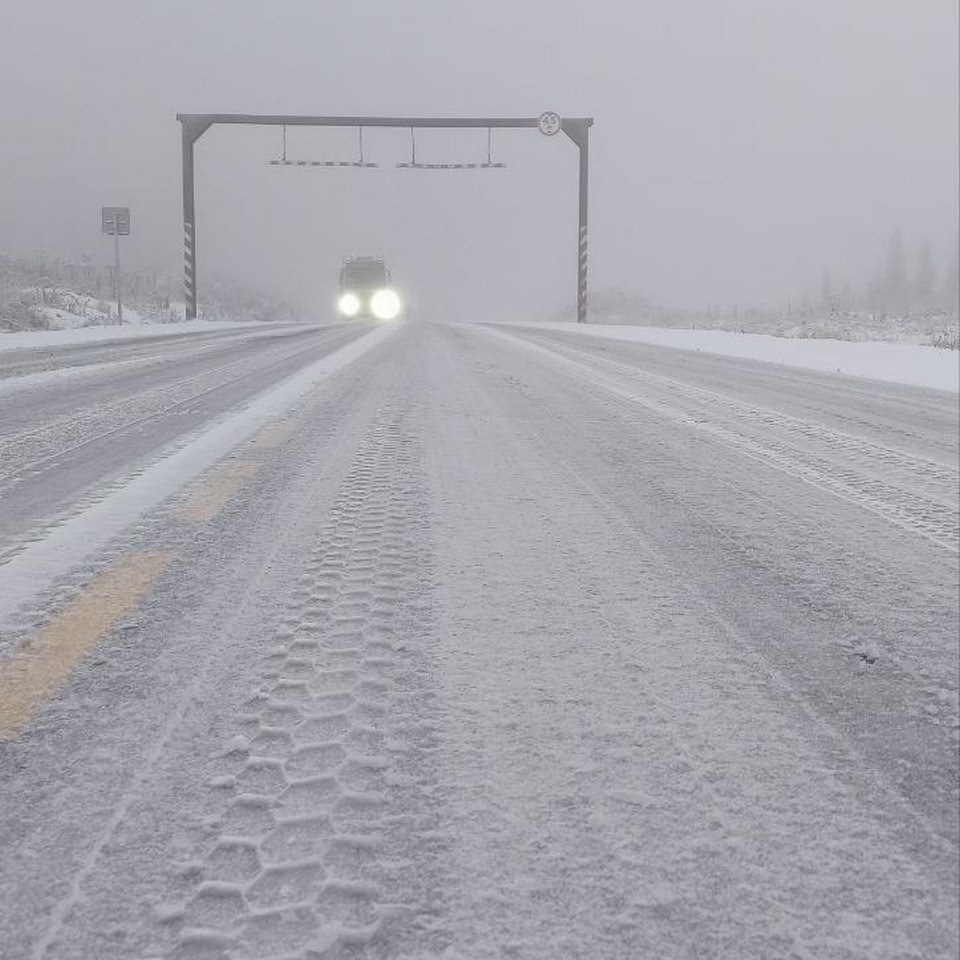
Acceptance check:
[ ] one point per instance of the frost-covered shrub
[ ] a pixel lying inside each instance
(947, 339)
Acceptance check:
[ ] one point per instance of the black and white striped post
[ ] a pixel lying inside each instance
(189, 270)
(582, 232)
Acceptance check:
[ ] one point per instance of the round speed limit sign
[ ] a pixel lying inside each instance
(549, 123)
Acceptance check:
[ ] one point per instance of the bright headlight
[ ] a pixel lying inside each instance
(385, 304)
(349, 304)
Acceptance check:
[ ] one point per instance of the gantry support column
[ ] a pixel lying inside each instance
(191, 131)
(579, 132)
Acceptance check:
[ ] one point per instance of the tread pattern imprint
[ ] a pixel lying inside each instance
(323, 782)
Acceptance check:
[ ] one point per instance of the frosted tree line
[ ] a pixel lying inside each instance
(906, 281)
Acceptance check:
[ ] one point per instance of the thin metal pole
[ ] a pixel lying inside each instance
(116, 269)
(189, 228)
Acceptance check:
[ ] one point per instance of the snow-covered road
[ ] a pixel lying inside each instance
(469, 642)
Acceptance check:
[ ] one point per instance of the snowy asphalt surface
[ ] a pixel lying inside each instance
(468, 642)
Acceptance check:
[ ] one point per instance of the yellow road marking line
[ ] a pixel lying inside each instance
(206, 500)
(38, 668)
(273, 434)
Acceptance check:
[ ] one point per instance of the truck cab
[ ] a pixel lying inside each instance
(365, 289)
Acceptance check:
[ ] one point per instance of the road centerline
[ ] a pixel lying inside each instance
(37, 669)
(208, 498)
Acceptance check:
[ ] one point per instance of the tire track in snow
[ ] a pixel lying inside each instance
(69, 543)
(935, 517)
(732, 811)
(875, 594)
(31, 451)
(308, 855)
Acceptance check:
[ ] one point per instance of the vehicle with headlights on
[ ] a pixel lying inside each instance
(365, 289)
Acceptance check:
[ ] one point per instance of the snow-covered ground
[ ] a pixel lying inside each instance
(55, 294)
(472, 642)
(72, 311)
(28, 339)
(930, 325)
(75, 539)
(908, 363)
(893, 362)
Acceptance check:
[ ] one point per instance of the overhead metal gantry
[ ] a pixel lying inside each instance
(195, 125)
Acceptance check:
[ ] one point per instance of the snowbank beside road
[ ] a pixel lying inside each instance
(893, 362)
(15, 340)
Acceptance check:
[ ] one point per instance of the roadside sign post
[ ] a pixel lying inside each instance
(116, 223)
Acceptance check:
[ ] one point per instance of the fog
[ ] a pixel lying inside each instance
(739, 147)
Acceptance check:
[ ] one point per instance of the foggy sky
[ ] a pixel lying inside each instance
(740, 146)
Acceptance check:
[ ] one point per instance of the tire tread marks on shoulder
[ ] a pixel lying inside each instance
(911, 492)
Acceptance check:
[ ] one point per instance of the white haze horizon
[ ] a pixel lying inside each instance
(739, 148)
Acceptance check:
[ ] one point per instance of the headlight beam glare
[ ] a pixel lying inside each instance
(349, 304)
(385, 305)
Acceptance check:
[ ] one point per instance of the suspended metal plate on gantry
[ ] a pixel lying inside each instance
(284, 162)
(321, 163)
(452, 166)
(412, 164)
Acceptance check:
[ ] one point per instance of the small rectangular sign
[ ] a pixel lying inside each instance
(116, 221)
